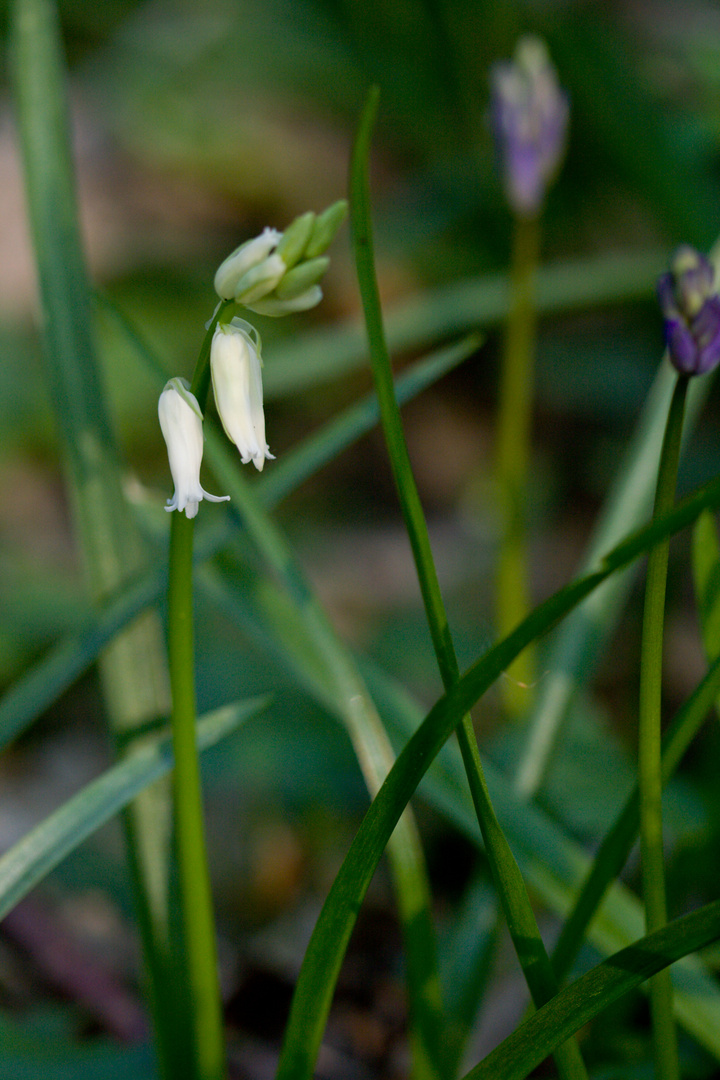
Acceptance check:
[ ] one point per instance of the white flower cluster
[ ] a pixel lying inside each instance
(274, 274)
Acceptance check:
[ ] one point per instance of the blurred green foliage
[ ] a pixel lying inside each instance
(197, 125)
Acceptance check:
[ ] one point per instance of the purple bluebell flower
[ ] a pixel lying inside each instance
(529, 114)
(691, 309)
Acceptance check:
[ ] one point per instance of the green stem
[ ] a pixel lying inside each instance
(649, 740)
(513, 452)
(615, 848)
(506, 874)
(201, 376)
(195, 893)
(194, 878)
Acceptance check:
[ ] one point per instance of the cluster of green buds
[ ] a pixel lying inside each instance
(280, 273)
(273, 274)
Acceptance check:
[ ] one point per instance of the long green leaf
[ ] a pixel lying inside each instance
(326, 949)
(553, 863)
(566, 1013)
(512, 892)
(25, 864)
(133, 670)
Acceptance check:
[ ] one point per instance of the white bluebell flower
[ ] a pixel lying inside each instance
(236, 369)
(181, 424)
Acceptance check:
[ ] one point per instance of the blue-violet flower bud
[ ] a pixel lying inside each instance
(691, 308)
(529, 115)
(236, 369)
(181, 424)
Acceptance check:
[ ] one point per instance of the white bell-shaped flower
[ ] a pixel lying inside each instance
(181, 424)
(236, 369)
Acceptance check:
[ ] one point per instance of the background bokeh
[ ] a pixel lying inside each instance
(195, 126)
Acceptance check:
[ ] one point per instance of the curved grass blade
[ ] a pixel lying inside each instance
(313, 993)
(566, 1013)
(26, 863)
(510, 886)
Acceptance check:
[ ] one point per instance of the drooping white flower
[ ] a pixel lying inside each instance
(181, 424)
(236, 370)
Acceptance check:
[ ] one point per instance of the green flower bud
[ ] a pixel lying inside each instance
(300, 278)
(294, 240)
(274, 308)
(325, 228)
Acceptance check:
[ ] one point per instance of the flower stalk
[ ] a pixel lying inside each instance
(529, 116)
(196, 899)
(506, 874)
(649, 742)
(512, 460)
(277, 273)
(194, 878)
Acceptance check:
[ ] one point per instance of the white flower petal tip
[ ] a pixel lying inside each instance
(236, 369)
(181, 424)
(248, 256)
